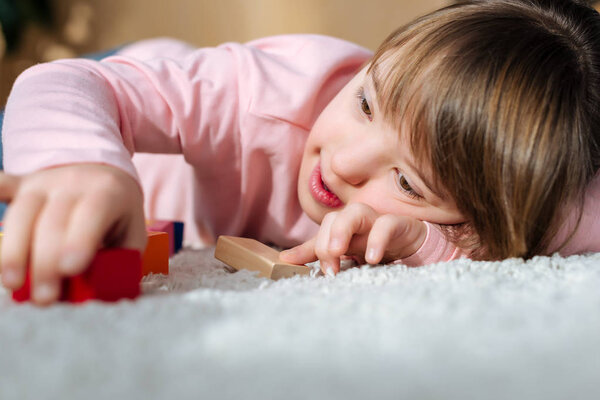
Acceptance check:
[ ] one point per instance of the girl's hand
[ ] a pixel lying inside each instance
(58, 218)
(359, 231)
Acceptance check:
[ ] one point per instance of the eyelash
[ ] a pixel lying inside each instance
(409, 192)
(362, 102)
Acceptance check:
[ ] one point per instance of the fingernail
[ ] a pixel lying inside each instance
(328, 270)
(371, 255)
(44, 292)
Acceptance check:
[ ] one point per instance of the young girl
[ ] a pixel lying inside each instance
(471, 132)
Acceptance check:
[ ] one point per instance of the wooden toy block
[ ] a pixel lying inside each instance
(250, 254)
(156, 256)
(114, 274)
(173, 228)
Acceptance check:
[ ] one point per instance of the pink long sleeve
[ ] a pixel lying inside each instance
(435, 248)
(86, 111)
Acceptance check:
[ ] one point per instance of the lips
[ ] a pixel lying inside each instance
(320, 192)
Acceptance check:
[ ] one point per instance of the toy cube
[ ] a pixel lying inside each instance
(173, 228)
(156, 256)
(114, 274)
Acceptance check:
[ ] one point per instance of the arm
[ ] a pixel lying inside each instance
(86, 111)
(69, 131)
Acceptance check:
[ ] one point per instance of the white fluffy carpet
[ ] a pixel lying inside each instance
(460, 330)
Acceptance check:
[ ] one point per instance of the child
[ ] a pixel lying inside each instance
(471, 132)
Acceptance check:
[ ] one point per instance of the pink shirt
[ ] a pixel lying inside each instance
(230, 122)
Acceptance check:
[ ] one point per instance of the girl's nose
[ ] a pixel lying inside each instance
(356, 162)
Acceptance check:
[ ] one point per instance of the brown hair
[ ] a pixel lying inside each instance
(500, 99)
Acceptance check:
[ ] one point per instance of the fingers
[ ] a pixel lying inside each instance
(340, 231)
(46, 246)
(359, 231)
(330, 264)
(94, 220)
(136, 234)
(59, 218)
(385, 229)
(89, 222)
(394, 237)
(348, 226)
(343, 233)
(315, 249)
(19, 220)
(300, 254)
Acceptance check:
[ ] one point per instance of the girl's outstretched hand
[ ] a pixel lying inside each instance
(58, 218)
(359, 231)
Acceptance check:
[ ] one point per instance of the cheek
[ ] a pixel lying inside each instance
(388, 204)
(379, 200)
(332, 122)
(319, 133)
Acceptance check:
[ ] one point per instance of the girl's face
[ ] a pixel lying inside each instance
(353, 155)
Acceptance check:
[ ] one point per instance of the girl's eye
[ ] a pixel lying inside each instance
(363, 103)
(405, 186)
(364, 106)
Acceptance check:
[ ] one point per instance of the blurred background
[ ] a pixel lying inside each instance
(36, 31)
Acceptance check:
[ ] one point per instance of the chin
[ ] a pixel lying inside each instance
(313, 213)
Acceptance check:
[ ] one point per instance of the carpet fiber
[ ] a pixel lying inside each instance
(458, 330)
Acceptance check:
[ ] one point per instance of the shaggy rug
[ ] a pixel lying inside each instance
(458, 330)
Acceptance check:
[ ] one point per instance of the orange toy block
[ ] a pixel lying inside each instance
(156, 256)
(173, 228)
(250, 254)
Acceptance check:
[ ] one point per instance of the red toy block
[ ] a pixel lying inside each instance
(24, 293)
(114, 274)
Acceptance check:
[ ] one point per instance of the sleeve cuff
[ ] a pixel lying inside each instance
(435, 248)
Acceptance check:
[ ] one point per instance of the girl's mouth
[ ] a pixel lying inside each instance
(320, 192)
